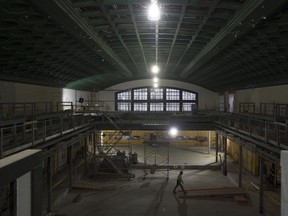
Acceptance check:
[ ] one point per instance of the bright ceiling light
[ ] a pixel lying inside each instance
(155, 79)
(153, 11)
(155, 69)
(173, 131)
(155, 85)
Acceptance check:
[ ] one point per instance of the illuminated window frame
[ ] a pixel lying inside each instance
(160, 99)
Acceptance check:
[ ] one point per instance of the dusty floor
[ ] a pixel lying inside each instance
(152, 194)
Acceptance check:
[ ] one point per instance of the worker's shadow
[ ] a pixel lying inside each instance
(182, 206)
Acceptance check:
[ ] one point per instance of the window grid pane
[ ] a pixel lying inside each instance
(156, 94)
(124, 106)
(156, 107)
(172, 94)
(124, 95)
(172, 107)
(173, 100)
(188, 95)
(140, 94)
(187, 106)
(140, 106)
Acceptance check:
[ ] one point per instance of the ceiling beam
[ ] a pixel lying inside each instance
(138, 35)
(247, 9)
(211, 9)
(108, 17)
(71, 17)
(176, 35)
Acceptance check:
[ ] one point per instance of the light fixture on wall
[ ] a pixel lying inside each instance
(153, 11)
(155, 85)
(173, 131)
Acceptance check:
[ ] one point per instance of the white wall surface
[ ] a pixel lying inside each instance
(19, 93)
(276, 94)
(284, 183)
(24, 195)
(206, 98)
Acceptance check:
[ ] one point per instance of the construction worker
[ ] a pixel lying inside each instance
(179, 182)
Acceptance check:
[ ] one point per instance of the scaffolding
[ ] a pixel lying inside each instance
(156, 154)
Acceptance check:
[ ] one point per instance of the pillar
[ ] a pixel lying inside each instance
(36, 180)
(284, 182)
(70, 162)
(217, 146)
(49, 185)
(225, 156)
(261, 185)
(209, 141)
(240, 165)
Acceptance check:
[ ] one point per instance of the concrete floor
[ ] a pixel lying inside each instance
(153, 194)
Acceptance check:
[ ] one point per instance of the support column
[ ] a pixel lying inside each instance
(24, 194)
(49, 185)
(70, 161)
(240, 165)
(284, 182)
(13, 198)
(85, 153)
(225, 156)
(17, 171)
(94, 144)
(261, 185)
(168, 159)
(217, 146)
(36, 188)
(209, 141)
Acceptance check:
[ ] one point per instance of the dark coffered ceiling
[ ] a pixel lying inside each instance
(91, 44)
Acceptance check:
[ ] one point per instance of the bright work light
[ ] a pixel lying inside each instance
(153, 11)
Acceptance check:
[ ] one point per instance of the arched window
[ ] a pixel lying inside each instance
(155, 99)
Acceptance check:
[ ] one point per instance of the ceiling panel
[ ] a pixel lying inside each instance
(221, 45)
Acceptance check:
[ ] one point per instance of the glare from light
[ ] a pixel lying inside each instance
(173, 131)
(155, 85)
(153, 11)
(155, 69)
(155, 80)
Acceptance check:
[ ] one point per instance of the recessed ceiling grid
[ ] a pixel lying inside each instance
(253, 61)
(90, 44)
(34, 47)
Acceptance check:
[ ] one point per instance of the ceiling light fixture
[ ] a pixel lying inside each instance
(155, 80)
(155, 69)
(153, 11)
(155, 85)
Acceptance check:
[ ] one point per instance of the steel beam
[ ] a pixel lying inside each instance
(70, 157)
(217, 146)
(240, 165)
(13, 198)
(261, 188)
(49, 185)
(36, 181)
(225, 156)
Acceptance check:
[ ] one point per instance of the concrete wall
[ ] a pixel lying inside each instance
(272, 94)
(24, 195)
(284, 183)
(19, 92)
(250, 159)
(183, 137)
(206, 98)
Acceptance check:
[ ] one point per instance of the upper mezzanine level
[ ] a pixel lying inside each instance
(26, 125)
